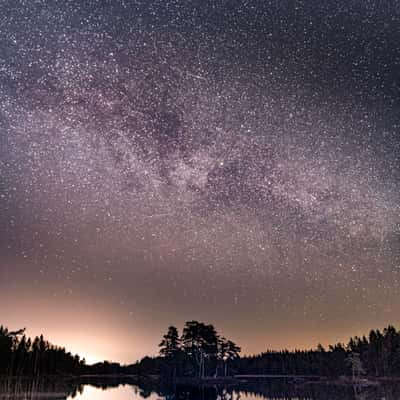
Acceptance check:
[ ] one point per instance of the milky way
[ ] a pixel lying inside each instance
(163, 161)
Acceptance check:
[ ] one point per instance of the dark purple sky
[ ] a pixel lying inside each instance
(228, 161)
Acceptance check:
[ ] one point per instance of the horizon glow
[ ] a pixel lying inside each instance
(164, 162)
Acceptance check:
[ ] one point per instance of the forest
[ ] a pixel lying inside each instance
(200, 352)
(20, 355)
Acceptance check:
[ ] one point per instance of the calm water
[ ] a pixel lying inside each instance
(275, 389)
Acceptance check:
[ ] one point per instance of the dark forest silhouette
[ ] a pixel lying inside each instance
(201, 353)
(377, 355)
(20, 355)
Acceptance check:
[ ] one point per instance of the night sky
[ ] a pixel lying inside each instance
(235, 162)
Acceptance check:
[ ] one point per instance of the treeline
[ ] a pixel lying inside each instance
(375, 355)
(201, 352)
(20, 355)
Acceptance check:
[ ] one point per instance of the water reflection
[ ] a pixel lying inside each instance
(38, 389)
(89, 392)
(128, 389)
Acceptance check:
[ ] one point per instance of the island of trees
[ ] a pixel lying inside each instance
(200, 353)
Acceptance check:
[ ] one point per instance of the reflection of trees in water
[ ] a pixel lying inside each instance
(301, 391)
(37, 389)
(290, 390)
(276, 389)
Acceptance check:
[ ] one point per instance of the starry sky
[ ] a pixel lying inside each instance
(235, 162)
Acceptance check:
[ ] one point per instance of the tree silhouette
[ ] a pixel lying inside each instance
(357, 369)
(170, 344)
(20, 355)
(170, 349)
(227, 351)
(201, 352)
(200, 342)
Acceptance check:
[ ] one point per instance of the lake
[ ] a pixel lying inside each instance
(113, 389)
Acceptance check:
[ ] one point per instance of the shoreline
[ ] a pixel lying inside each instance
(210, 381)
